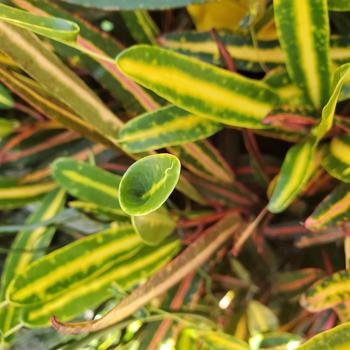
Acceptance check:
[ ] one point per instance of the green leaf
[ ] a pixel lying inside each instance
(276, 341)
(189, 260)
(112, 5)
(167, 126)
(148, 183)
(123, 274)
(327, 292)
(87, 182)
(74, 264)
(328, 110)
(295, 172)
(261, 319)
(154, 227)
(339, 5)
(337, 338)
(129, 94)
(248, 54)
(141, 26)
(303, 31)
(7, 126)
(42, 65)
(337, 159)
(38, 98)
(200, 88)
(204, 160)
(15, 196)
(293, 283)
(28, 246)
(334, 210)
(54, 28)
(6, 100)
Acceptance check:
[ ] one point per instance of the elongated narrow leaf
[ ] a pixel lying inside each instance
(200, 88)
(295, 172)
(303, 31)
(166, 126)
(337, 338)
(40, 100)
(329, 109)
(337, 159)
(130, 95)
(294, 282)
(73, 264)
(148, 183)
(204, 160)
(51, 27)
(125, 274)
(333, 210)
(339, 5)
(16, 196)
(112, 5)
(6, 100)
(327, 292)
(343, 311)
(40, 63)
(194, 256)
(28, 246)
(87, 182)
(153, 228)
(141, 26)
(248, 55)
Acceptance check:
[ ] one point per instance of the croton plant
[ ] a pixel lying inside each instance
(175, 174)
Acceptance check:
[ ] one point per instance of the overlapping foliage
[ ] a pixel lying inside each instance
(175, 174)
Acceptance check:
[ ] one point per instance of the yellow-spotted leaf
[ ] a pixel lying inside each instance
(339, 5)
(154, 227)
(72, 265)
(333, 210)
(327, 292)
(261, 319)
(337, 158)
(94, 291)
(205, 339)
(87, 182)
(189, 260)
(248, 54)
(337, 338)
(14, 196)
(167, 126)
(297, 167)
(28, 246)
(200, 88)
(303, 31)
(6, 100)
(51, 27)
(148, 183)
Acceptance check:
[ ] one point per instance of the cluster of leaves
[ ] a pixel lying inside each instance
(169, 187)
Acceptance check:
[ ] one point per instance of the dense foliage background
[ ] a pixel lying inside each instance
(174, 174)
